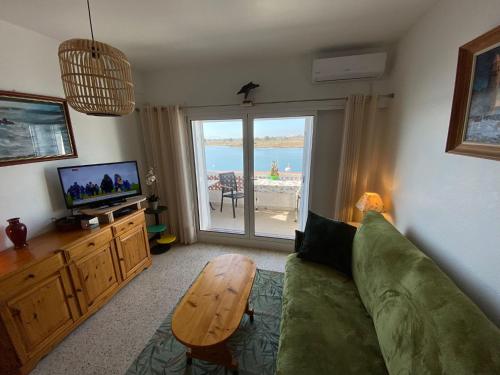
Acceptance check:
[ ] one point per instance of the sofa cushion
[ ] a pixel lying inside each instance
(324, 328)
(328, 242)
(299, 238)
(424, 323)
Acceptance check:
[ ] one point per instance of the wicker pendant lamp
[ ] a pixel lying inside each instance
(97, 78)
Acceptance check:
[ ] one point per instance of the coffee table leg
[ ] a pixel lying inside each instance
(249, 312)
(219, 354)
(189, 358)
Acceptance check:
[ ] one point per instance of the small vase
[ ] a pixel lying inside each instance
(17, 232)
(153, 205)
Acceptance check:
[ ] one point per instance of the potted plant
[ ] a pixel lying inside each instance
(275, 174)
(152, 182)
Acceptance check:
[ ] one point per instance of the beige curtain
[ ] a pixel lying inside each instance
(359, 155)
(167, 144)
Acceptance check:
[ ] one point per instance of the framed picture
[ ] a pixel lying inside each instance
(475, 116)
(34, 128)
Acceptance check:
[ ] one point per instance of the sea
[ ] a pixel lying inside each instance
(228, 158)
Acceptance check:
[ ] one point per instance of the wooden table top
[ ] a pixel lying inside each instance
(44, 245)
(39, 247)
(211, 310)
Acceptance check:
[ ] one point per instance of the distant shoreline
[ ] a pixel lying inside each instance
(267, 142)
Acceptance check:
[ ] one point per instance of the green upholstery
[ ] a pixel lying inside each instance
(324, 324)
(424, 323)
(416, 320)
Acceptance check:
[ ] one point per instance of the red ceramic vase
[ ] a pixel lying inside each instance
(17, 232)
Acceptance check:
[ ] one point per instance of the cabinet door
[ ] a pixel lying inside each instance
(40, 315)
(96, 277)
(133, 250)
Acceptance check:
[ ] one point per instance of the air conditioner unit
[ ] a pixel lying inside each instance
(367, 66)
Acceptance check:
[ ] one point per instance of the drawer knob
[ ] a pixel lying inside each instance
(121, 259)
(69, 296)
(30, 276)
(131, 223)
(91, 244)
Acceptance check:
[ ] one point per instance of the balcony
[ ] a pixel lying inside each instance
(276, 205)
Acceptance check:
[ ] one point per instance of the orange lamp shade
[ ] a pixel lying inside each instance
(370, 202)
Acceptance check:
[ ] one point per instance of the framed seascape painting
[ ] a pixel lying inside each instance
(475, 116)
(34, 128)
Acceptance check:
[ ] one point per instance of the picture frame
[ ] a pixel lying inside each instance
(34, 128)
(474, 128)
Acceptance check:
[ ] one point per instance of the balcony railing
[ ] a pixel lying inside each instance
(282, 193)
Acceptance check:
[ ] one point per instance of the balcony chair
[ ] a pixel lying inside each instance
(229, 188)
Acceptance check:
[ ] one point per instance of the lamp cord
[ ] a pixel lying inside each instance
(90, 20)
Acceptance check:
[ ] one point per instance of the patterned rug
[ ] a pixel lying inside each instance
(255, 345)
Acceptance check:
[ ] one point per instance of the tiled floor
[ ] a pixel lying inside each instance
(268, 223)
(108, 342)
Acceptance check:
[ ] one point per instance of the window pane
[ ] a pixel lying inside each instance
(279, 162)
(218, 149)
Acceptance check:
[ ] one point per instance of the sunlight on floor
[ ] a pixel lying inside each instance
(280, 216)
(268, 223)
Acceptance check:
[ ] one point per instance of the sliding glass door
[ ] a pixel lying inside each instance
(252, 174)
(280, 163)
(220, 175)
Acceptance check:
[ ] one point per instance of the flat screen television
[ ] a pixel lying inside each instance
(99, 184)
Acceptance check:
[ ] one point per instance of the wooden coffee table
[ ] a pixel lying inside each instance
(211, 310)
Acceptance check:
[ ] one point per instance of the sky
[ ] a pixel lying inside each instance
(24, 111)
(283, 127)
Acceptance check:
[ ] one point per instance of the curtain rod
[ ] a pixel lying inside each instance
(391, 95)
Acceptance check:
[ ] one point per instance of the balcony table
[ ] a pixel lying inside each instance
(266, 185)
(276, 186)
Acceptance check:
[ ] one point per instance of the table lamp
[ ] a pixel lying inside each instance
(370, 202)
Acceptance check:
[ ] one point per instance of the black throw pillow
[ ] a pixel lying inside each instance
(299, 238)
(328, 242)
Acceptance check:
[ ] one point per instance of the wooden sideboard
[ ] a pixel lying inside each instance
(50, 287)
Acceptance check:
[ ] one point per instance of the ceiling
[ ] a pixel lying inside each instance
(166, 33)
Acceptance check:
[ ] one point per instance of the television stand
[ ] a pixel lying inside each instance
(106, 215)
(101, 205)
(117, 203)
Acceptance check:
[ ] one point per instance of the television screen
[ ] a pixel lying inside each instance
(91, 184)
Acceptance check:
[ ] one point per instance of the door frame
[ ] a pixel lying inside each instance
(247, 114)
(210, 236)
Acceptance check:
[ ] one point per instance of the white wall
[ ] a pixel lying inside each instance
(280, 79)
(29, 64)
(447, 204)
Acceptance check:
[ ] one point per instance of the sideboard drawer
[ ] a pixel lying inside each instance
(128, 224)
(31, 275)
(91, 243)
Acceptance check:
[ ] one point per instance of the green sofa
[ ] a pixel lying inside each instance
(399, 315)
